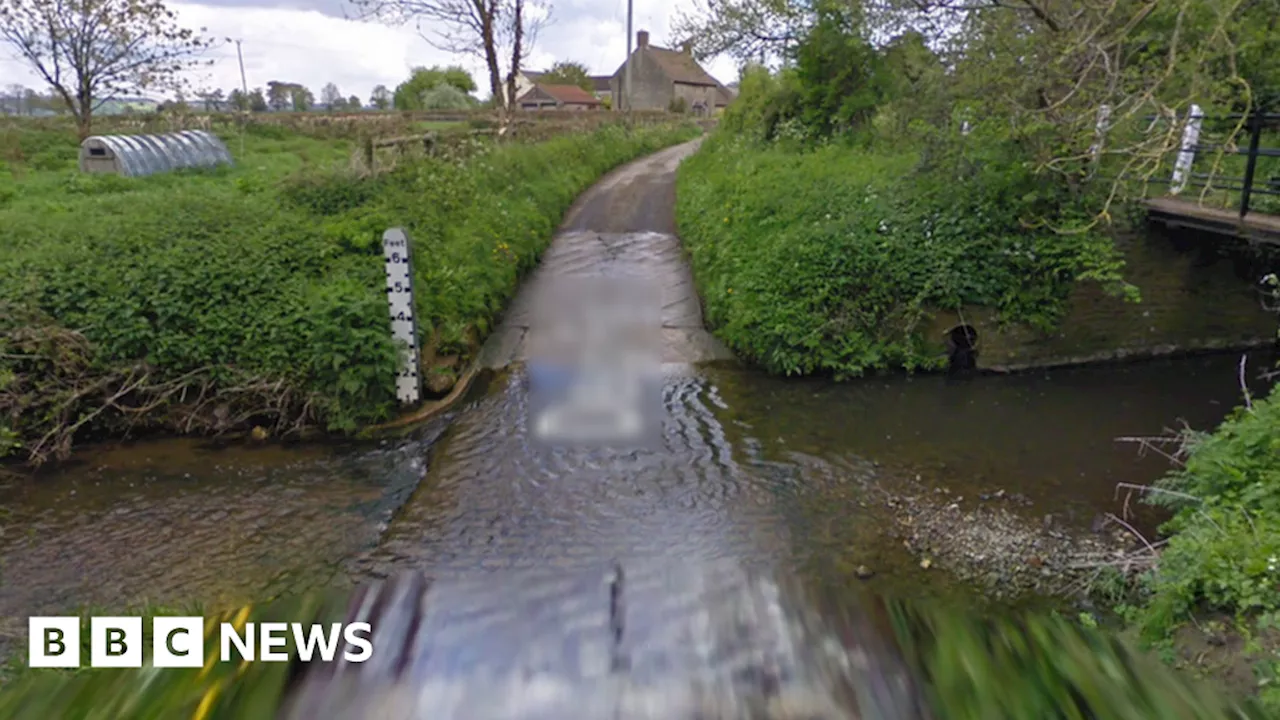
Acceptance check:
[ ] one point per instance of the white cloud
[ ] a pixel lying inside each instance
(312, 48)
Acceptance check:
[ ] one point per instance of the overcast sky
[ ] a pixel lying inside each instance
(311, 42)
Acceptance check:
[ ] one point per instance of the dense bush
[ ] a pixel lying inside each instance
(849, 195)
(139, 299)
(1225, 553)
(1222, 555)
(828, 258)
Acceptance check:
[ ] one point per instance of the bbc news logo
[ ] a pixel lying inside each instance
(179, 642)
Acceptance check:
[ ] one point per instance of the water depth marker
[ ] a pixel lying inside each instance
(395, 249)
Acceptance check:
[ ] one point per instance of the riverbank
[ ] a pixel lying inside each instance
(833, 259)
(1202, 593)
(204, 302)
(856, 253)
(1211, 601)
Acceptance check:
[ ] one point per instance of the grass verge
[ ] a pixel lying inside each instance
(202, 301)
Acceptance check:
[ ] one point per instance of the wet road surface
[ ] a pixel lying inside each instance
(623, 229)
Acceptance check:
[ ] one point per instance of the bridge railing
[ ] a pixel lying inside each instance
(1230, 134)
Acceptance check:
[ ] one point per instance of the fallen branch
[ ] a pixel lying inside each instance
(1135, 533)
(1150, 443)
(1154, 489)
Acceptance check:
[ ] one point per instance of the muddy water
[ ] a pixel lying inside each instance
(178, 523)
(763, 469)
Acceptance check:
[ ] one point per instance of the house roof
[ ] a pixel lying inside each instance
(724, 96)
(680, 66)
(567, 94)
(601, 82)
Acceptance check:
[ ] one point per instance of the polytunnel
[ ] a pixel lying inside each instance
(137, 155)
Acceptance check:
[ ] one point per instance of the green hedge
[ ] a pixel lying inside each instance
(235, 278)
(827, 258)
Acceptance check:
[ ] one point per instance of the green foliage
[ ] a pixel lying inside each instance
(446, 97)
(1044, 666)
(410, 94)
(1225, 553)
(828, 259)
(568, 73)
(267, 275)
(220, 690)
(838, 205)
(841, 78)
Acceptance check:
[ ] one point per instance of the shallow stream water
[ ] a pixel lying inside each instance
(767, 470)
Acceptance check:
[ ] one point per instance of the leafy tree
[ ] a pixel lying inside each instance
(331, 96)
(238, 100)
(747, 30)
(257, 102)
(353, 103)
(279, 94)
(408, 94)
(840, 75)
(381, 97)
(569, 73)
(91, 51)
(445, 97)
(301, 98)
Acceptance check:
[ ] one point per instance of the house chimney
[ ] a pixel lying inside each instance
(687, 47)
(642, 38)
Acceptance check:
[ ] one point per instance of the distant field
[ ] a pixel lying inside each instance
(323, 124)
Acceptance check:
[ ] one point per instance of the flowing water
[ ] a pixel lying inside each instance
(761, 469)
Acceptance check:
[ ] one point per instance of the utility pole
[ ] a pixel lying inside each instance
(244, 94)
(626, 81)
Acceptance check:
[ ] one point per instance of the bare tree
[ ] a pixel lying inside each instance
(499, 32)
(330, 95)
(90, 51)
(523, 19)
(14, 95)
(212, 99)
(746, 30)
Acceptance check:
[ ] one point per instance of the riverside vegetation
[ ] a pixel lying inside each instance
(205, 300)
(846, 197)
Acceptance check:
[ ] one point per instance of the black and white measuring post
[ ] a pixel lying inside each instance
(1187, 151)
(404, 327)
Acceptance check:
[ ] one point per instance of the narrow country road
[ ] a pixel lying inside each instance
(635, 577)
(622, 227)
(495, 498)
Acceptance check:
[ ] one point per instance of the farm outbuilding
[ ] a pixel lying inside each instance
(136, 155)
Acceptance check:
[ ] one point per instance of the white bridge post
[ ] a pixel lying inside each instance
(1100, 132)
(404, 327)
(1187, 152)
